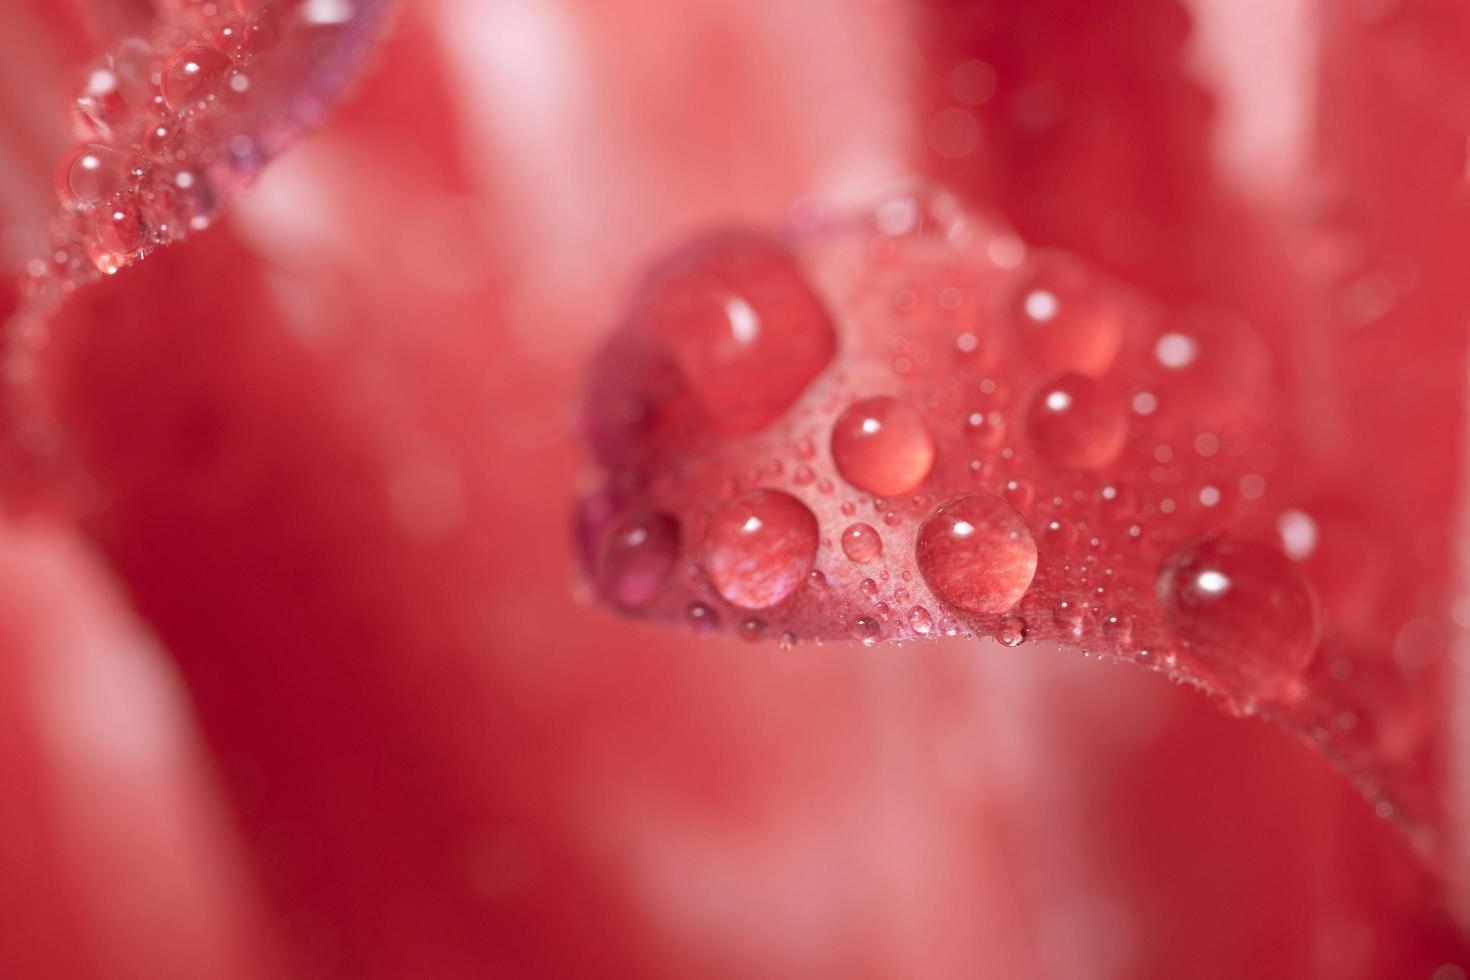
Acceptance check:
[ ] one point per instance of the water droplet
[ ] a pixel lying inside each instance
(751, 629)
(89, 174)
(920, 621)
(191, 76)
(985, 430)
(120, 227)
(1012, 631)
(743, 327)
(1074, 423)
(881, 445)
(637, 552)
(759, 547)
(1068, 617)
(1118, 629)
(868, 588)
(861, 543)
(817, 580)
(786, 641)
(865, 628)
(1066, 319)
(702, 618)
(1243, 613)
(1019, 493)
(977, 553)
(158, 142)
(1298, 533)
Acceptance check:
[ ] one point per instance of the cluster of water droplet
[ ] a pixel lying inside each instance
(931, 526)
(150, 144)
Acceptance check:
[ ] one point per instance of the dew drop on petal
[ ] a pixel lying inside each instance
(861, 543)
(881, 446)
(191, 75)
(120, 227)
(702, 618)
(977, 553)
(636, 555)
(759, 547)
(1012, 631)
(865, 628)
(1065, 318)
(742, 325)
(985, 430)
(1075, 423)
(89, 174)
(1243, 614)
(920, 621)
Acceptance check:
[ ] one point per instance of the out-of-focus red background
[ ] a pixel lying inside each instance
(297, 676)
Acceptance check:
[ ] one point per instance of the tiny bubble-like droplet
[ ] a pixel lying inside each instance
(1243, 613)
(759, 547)
(1073, 422)
(977, 553)
(865, 628)
(702, 618)
(861, 543)
(880, 445)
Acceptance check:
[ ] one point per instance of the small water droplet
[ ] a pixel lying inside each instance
(1012, 631)
(1019, 494)
(881, 445)
(1118, 628)
(786, 641)
(920, 621)
(977, 553)
(1074, 423)
(702, 618)
(759, 547)
(751, 629)
(1068, 618)
(865, 628)
(869, 588)
(861, 543)
(985, 430)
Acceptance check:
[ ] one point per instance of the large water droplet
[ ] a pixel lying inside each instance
(977, 553)
(861, 543)
(759, 547)
(1066, 319)
(1243, 613)
(881, 446)
(635, 557)
(1075, 423)
(739, 320)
